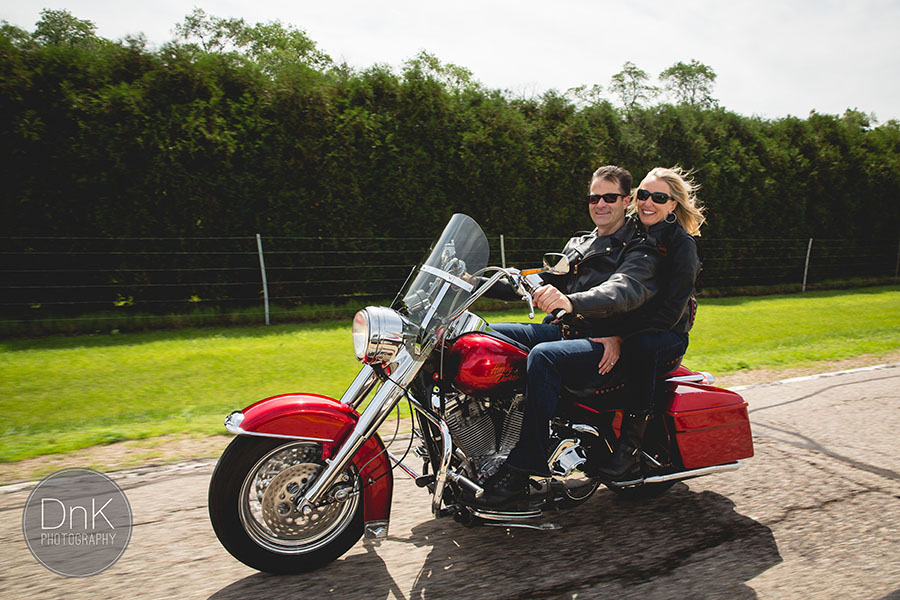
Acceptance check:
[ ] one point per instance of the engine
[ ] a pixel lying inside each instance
(486, 429)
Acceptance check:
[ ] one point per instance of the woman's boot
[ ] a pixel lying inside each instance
(625, 460)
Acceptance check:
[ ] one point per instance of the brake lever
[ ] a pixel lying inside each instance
(533, 282)
(519, 282)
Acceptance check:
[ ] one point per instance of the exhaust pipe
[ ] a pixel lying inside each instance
(679, 476)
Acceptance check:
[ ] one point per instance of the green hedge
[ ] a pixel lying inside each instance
(101, 138)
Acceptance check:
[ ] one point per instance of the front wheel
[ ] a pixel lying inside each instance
(253, 508)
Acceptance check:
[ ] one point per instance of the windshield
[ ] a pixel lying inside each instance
(443, 282)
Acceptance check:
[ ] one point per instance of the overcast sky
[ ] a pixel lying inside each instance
(773, 57)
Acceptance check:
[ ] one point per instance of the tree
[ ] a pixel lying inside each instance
(16, 35)
(213, 33)
(274, 46)
(271, 45)
(60, 27)
(450, 75)
(586, 96)
(690, 83)
(630, 85)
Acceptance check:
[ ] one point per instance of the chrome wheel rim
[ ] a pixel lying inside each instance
(268, 501)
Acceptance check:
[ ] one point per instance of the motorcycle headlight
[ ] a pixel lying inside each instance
(377, 335)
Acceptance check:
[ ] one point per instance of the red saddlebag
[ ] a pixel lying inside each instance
(711, 425)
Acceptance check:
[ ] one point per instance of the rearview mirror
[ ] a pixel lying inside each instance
(556, 263)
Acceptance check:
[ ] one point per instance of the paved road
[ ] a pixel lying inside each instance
(815, 514)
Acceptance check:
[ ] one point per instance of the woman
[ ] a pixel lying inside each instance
(657, 334)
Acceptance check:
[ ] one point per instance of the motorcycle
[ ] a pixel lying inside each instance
(307, 476)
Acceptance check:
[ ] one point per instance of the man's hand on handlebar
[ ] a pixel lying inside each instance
(549, 299)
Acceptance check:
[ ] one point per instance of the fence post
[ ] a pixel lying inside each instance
(262, 269)
(806, 266)
(502, 252)
(897, 269)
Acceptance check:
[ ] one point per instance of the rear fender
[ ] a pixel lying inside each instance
(324, 420)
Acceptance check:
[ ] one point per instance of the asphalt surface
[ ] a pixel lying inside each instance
(814, 514)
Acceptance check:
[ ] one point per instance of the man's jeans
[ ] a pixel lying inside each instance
(551, 361)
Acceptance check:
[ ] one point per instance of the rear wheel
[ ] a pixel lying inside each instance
(578, 487)
(566, 464)
(253, 506)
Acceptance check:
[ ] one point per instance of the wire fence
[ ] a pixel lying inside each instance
(69, 277)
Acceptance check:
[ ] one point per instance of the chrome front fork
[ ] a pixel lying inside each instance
(363, 383)
(386, 398)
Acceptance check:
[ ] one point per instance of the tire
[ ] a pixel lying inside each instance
(255, 519)
(643, 492)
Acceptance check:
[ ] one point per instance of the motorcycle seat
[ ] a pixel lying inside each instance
(616, 384)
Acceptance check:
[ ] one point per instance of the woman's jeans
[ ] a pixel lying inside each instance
(551, 361)
(645, 358)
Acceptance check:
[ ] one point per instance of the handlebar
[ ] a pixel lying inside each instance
(525, 283)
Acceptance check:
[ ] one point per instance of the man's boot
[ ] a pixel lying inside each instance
(625, 460)
(507, 484)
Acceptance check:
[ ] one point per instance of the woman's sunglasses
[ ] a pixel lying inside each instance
(609, 198)
(658, 197)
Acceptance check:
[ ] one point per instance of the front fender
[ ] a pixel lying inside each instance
(324, 420)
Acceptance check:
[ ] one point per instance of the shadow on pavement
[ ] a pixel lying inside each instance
(356, 576)
(684, 544)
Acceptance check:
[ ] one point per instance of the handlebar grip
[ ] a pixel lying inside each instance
(558, 313)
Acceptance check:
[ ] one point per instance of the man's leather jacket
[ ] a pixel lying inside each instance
(608, 275)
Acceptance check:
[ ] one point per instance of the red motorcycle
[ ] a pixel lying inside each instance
(308, 475)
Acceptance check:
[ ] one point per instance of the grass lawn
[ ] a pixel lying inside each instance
(62, 393)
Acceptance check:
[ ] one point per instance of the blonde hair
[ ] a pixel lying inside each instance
(683, 189)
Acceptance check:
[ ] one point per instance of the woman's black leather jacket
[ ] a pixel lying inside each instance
(672, 308)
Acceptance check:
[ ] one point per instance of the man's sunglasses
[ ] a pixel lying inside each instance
(609, 198)
(658, 197)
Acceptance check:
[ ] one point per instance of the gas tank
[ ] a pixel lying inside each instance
(485, 364)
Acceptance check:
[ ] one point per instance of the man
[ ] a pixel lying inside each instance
(612, 271)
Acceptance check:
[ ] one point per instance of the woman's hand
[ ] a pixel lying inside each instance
(548, 298)
(611, 347)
